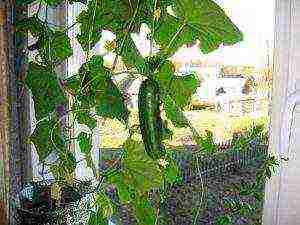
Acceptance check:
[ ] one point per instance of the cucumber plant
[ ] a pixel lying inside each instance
(144, 165)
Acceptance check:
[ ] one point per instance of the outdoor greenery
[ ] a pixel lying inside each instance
(94, 93)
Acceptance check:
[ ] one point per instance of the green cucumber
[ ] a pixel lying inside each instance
(150, 119)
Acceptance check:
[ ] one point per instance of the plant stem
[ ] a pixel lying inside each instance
(202, 194)
(176, 35)
(153, 28)
(126, 35)
(91, 29)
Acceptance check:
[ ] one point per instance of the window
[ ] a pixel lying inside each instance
(235, 82)
(247, 78)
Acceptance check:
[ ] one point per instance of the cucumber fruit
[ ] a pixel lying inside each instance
(150, 119)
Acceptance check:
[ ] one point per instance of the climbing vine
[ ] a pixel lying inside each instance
(94, 93)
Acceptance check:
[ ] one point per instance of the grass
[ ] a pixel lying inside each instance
(113, 133)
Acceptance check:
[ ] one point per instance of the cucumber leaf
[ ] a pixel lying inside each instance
(65, 169)
(71, 84)
(180, 88)
(223, 220)
(104, 203)
(144, 211)
(174, 113)
(42, 82)
(129, 52)
(55, 46)
(166, 133)
(97, 218)
(84, 117)
(33, 25)
(139, 173)
(46, 138)
(172, 172)
(85, 143)
(176, 93)
(98, 90)
(110, 102)
(201, 20)
(107, 15)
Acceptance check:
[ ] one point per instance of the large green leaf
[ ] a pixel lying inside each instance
(46, 93)
(165, 75)
(144, 211)
(172, 172)
(110, 102)
(165, 132)
(84, 117)
(85, 145)
(207, 143)
(92, 21)
(33, 25)
(71, 84)
(91, 75)
(139, 173)
(104, 203)
(104, 210)
(171, 34)
(46, 138)
(108, 15)
(180, 88)
(196, 19)
(55, 46)
(224, 220)
(121, 17)
(98, 90)
(125, 192)
(97, 218)
(64, 170)
(85, 142)
(92, 69)
(129, 52)
(176, 92)
(174, 113)
(67, 164)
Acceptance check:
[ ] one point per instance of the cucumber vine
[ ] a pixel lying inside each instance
(173, 23)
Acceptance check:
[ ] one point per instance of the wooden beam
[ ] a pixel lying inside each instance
(4, 120)
(15, 153)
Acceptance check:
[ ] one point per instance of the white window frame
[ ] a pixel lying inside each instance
(286, 76)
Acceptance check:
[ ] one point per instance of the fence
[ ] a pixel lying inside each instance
(195, 164)
(244, 106)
